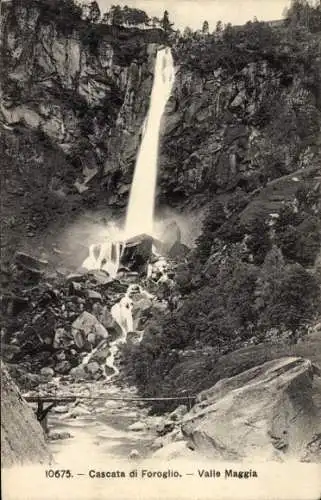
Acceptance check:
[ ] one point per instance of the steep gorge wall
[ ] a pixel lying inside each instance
(78, 88)
(22, 438)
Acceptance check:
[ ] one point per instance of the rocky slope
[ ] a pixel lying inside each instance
(265, 413)
(78, 84)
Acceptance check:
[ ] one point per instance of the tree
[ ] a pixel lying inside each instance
(219, 27)
(302, 13)
(116, 15)
(156, 22)
(213, 220)
(297, 13)
(106, 18)
(134, 16)
(187, 33)
(315, 19)
(94, 12)
(268, 280)
(205, 28)
(166, 24)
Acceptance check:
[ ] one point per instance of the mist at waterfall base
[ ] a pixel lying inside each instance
(94, 227)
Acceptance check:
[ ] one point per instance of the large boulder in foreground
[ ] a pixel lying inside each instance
(22, 438)
(265, 413)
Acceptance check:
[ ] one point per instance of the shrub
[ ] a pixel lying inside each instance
(286, 295)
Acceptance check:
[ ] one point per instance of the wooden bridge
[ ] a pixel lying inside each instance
(42, 412)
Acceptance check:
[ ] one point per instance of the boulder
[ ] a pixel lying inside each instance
(134, 454)
(47, 373)
(84, 325)
(14, 304)
(60, 409)
(178, 413)
(93, 367)
(75, 288)
(76, 277)
(61, 356)
(239, 100)
(63, 367)
(55, 436)
(101, 355)
(141, 306)
(171, 437)
(172, 451)
(78, 411)
(29, 262)
(78, 373)
(106, 318)
(60, 338)
(8, 351)
(138, 427)
(91, 338)
(165, 427)
(178, 251)
(265, 413)
(93, 295)
(137, 252)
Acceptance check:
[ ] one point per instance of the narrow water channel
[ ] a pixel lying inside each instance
(99, 428)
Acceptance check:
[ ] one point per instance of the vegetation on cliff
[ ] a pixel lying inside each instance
(255, 273)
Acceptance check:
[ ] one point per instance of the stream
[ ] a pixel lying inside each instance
(99, 427)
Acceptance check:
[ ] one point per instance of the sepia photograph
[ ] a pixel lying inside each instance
(160, 249)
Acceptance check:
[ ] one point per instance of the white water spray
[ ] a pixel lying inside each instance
(140, 210)
(106, 256)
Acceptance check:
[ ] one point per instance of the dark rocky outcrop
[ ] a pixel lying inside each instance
(227, 128)
(137, 252)
(22, 438)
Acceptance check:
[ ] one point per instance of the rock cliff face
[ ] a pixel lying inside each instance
(22, 438)
(225, 131)
(85, 87)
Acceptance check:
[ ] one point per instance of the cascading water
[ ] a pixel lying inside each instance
(140, 210)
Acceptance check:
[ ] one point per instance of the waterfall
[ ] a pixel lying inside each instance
(105, 256)
(140, 210)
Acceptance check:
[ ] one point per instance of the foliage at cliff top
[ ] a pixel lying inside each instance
(121, 27)
(292, 44)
